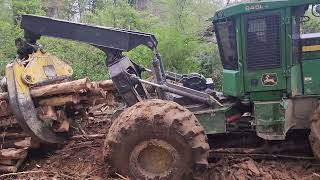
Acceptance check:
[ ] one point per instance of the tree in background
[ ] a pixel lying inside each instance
(179, 25)
(52, 7)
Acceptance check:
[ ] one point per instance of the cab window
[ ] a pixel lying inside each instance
(226, 38)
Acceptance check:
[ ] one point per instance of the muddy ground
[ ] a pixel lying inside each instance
(82, 159)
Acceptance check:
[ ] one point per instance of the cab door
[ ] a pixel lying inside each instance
(264, 51)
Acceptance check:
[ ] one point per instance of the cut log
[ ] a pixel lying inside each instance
(4, 96)
(64, 127)
(12, 135)
(8, 169)
(77, 86)
(8, 162)
(9, 121)
(4, 108)
(28, 142)
(60, 101)
(12, 153)
(47, 114)
(106, 85)
(18, 143)
(63, 124)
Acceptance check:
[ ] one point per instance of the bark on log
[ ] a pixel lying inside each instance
(12, 135)
(100, 88)
(61, 100)
(62, 88)
(4, 108)
(4, 96)
(8, 162)
(26, 143)
(17, 143)
(8, 122)
(76, 86)
(12, 153)
(106, 85)
(8, 169)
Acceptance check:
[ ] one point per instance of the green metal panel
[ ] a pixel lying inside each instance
(233, 79)
(213, 121)
(311, 77)
(240, 55)
(270, 120)
(266, 96)
(256, 75)
(288, 50)
(311, 55)
(232, 83)
(296, 80)
(250, 7)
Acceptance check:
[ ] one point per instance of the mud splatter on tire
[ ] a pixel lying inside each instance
(157, 139)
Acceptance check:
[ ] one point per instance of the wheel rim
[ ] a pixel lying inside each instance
(154, 158)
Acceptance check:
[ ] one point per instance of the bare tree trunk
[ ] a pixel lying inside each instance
(53, 7)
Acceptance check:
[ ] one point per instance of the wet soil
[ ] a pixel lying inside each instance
(83, 159)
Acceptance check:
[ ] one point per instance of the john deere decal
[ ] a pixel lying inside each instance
(270, 79)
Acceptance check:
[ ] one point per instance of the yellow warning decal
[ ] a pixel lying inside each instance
(311, 48)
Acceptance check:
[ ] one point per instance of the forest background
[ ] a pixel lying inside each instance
(186, 40)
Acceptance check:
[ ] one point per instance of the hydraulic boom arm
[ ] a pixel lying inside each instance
(101, 37)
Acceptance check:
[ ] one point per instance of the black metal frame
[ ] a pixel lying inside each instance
(101, 37)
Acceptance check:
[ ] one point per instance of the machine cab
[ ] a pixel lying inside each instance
(260, 48)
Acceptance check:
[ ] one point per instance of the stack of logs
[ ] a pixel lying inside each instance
(14, 143)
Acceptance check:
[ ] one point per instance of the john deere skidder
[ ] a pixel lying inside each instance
(271, 87)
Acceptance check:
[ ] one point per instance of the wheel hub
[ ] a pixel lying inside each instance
(154, 157)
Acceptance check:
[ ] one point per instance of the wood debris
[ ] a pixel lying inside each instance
(51, 101)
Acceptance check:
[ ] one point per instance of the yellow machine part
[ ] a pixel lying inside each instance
(23, 107)
(43, 66)
(17, 69)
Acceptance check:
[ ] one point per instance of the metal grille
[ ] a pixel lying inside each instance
(263, 41)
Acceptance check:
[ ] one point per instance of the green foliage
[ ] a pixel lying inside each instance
(8, 33)
(6, 11)
(10, 13)
(210, 64)
(312, 25)
(20, 7)
(178, 51)
(85, 60)
(177, 24)
(121, 15)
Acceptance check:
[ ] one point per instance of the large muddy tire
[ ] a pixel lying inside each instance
(157, 139)
(315, 134)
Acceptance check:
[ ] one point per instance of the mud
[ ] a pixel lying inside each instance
(82, 159)
(247, 168)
